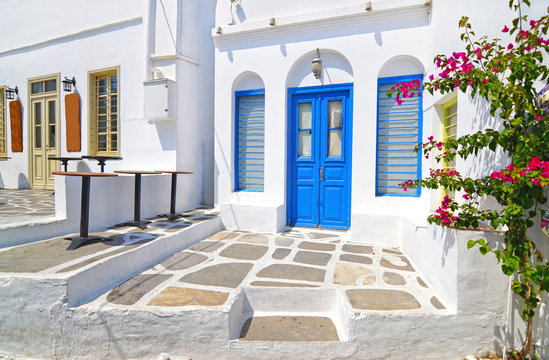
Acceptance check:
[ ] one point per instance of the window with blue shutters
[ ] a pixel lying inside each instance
(250, 140)
(398, 132)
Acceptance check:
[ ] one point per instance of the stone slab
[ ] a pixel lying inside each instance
(281, 253)
(244, 251)
(308, 245)
(421, 282)
(134, 289)
(382, 299)
(207, 246)
(42, 255)
(357, 249)
(347, 274)
(227, 275)
(312, 258)
(282, 241)
(392, 278)
(254, 239)
(392, 251)
(396, 262)
(289, 328)
(356, 259)
(224, 235)
(437, 304)
(280, 284)
(183, 260)
(176, 296)
(292, 272)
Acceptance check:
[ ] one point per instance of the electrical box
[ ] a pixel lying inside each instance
(160, 99)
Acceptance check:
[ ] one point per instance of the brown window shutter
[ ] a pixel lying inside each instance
(72, 116)
(16, 126)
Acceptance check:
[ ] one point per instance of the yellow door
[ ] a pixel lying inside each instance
(44, 141)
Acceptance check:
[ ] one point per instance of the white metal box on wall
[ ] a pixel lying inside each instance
(160, 102)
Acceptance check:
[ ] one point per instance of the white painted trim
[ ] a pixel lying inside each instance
(344, 18)
(74, 34)
(156, 57)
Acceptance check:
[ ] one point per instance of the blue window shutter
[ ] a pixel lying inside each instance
(250, 140)
(399, 130)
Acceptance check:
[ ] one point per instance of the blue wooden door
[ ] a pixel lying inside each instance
(319, 152)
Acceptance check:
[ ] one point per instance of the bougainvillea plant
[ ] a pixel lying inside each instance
(507, 73)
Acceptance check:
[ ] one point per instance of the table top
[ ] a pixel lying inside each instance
(101, 157)
(84, 173)
(63, 158)
(174, 172)
(136, 172)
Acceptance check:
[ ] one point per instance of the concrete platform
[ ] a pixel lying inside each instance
(188, 289)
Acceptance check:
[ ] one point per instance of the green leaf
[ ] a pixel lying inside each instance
(471, 243)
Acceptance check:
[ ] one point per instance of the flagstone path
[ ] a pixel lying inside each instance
(209, 273)
(17, 205)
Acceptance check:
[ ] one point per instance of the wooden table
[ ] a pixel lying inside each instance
(137, 197)
(84, 206)
(173, 215)
(101, 159)
(64, 160)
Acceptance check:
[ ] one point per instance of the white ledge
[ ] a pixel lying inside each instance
(339, 18)
(74, 34)
(182, 57)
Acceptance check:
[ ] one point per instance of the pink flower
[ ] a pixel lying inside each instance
(484, 80)
(510, 46)
(431, 77)
(535, 163)
(430, 138)
(469, 82)
(533, 23)
(466, 196)
(544, 222)
(505, 29)
(495, 70)
(539, 117)
(398, 101)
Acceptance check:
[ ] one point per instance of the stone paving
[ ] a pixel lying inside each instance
(210, 273)
(18, 205)
(51, 257)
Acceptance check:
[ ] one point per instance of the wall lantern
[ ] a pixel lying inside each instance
(10, 92)
(317, 65)
(368, 6)
(68, 83)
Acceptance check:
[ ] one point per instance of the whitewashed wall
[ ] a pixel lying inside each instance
(74, 37)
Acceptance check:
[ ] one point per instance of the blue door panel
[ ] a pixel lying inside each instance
(334, 205)
(319, 156)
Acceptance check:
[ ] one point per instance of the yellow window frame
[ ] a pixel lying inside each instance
(449, 131)
(104, 111)
(3, 125)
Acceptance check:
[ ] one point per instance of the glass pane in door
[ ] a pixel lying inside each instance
(51, 124)
(335, 123)
(305, 115)
(37, 125)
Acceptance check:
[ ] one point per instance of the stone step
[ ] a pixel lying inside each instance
(288, 328)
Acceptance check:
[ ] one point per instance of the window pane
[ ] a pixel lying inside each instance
(38, 137)
(305, 115)
(101, 86)
(51, 112)
(51, 85)
(37, 87)
(304, 143)
(334, 142)
(38, 125)
(52, 136)
(397, 135)
(114, 104)
(114, 84)
(334, 114)
(37, 113)
(250, 139)
(2, 124)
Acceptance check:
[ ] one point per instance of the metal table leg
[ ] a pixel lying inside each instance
(84, 218)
